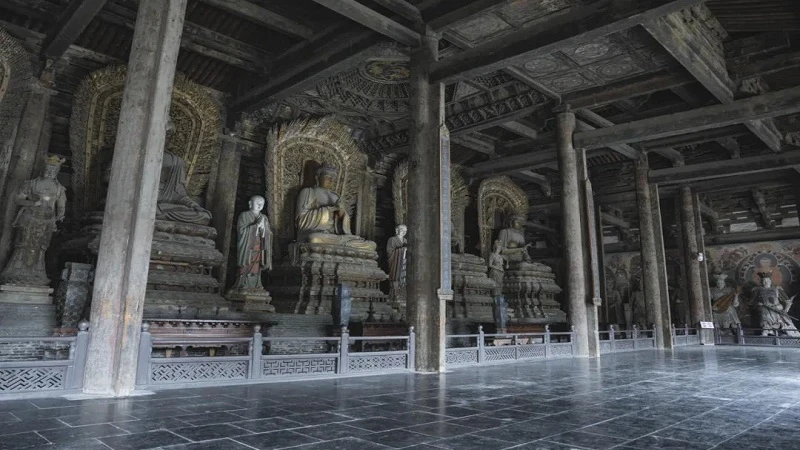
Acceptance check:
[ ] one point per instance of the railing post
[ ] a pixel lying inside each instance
(143, 363)
(673, 334)
(572, 339)
(739, 334)
(611, 338)
(256, 348)
(81, 347)
(412, 336)
(635, 337)
(481, 352)
(777, 338)
(344, 344)
(655, 335)
(548, 352)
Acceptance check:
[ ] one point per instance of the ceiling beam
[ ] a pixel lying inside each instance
(597, 19)
(727, 168)
(521, 129)
(632, 87)
(768, 105)
(614, 220)
(706, 64)
(263, 16)
(70, 25)
(308, 68)
(374, 21)
(402, 8)
(473, 143)
(623, 149)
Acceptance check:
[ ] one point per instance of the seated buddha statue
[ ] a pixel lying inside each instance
(512, 240)
(320, 216)
(173, 203)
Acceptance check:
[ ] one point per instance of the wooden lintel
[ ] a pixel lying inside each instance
(479, 145)
(727, 168)
(764, 106)
(633, 87)
(675, 156)
(71, 24)
(521, 129)
(597, 19)
(623, 149)
(373, 20)
(609, 219)
(465, 11)
(262, 16)
(402, 8)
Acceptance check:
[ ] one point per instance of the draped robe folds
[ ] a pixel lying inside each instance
(396, 249)
(254, 250)
(724, 308)
(173, 202)
(513, 243)
(774, 305)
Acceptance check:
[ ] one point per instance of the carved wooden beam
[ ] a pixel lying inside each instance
(623, 149)
(521, 129)
(763, 209)
(263, 16)
(598, 18)
(402, 8)
(70, 25)
(615, 221)
(473, 143)
(727, 168)
(373, 20)
(769, 105)
(632, 87)
(463, 12)
(543, 181)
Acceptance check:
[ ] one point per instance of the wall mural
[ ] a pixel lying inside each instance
(740, 262)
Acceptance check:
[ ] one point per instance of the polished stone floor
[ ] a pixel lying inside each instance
(694, 398)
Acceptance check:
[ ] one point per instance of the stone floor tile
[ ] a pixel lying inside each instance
(209, 432)
(217, 444)
(158, 423)
(210, 418)
(269, 424)
(142, 441)
(398, 438)
(331, 431)
(31, 425)
(470, 442)
(83, 444)
(65, 435)
(658, 442)
(276, 440)
(442, 429)
(377, 424)
(22, 440)
(350, 443)
(586, 440)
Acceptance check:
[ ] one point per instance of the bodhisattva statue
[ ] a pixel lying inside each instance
(774, 304)
(726, 300)
(497, 267)
(321, 218)
(638, 308)
(253, 247)
(513, 242)
(42, 204)
(173, 202)
(397, 253)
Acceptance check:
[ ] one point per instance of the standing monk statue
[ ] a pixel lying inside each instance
(253, 247)
(42, 203)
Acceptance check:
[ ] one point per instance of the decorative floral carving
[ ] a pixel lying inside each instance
(15, 78)
(93, 130)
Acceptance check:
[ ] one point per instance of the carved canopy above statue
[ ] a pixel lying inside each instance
(93, 130)
(294, 151)
(15, 78)
(459, 198)
(498, 199)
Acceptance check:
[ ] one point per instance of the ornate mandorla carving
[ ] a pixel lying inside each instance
(290, 148)
(498, 199)
(15, 78)
(93, 130)
(459, 196)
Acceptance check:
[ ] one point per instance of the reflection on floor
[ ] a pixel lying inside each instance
(697, 397)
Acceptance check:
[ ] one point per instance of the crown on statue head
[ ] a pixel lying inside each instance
(765, 274)
(327, 169)
(54, 160)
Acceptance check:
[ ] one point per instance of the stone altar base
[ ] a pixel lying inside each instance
(38, 295)
(26, 319)
(306, 283)
(251, 300)
(472, 289)
(530, 291)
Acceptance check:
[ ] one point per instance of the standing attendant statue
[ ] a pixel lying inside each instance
(42, 204)
(397, 251)
(253, 256)
(774, 305)
(497, 267)
(726, 300)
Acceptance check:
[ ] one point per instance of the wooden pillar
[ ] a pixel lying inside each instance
(425, 234)
(648, 250)
(128, 222)
(665, 327)
(691, 252)
(24, 155)
(223, 202)
(367, 198)
(572, 230)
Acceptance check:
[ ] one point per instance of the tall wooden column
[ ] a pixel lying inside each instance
(223, 202)
(649, 252)
(572, 230)
(128, 222)
(661, 254)
(427, 268)
(31, 131)
(691, 251)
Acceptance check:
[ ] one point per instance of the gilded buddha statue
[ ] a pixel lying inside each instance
(512, 240)
(320, 216)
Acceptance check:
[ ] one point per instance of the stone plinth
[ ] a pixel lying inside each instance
(27, 319)
(73, 294)
(306, 282)
(530, 291)
(251, 300)
(472, 288)
(35, 295)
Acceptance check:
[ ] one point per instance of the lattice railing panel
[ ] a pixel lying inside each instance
(693, 339)
(458, 357)
(621, 345)
(790, 342)
(561, 349)
(759, 340)
(531, 351)
(681, 341)
(727, 339)
(500, 353)
(198, 371)
(646, 343)
(32, 379)
(299, 366)
(376, 363)
(605, 347)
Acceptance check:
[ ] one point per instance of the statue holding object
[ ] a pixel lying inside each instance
(774, 304)
(397, 253)
(497, 267)
(253, 256)
(726, 300)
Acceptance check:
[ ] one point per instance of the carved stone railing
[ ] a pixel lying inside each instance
(482, 348)
(258, 363)
(616, 341)
(28, 377)
(682, 337)
(754, 337)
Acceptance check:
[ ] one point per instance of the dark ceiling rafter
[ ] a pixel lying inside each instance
(262, 16)
(373, 20)
(71, 24)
